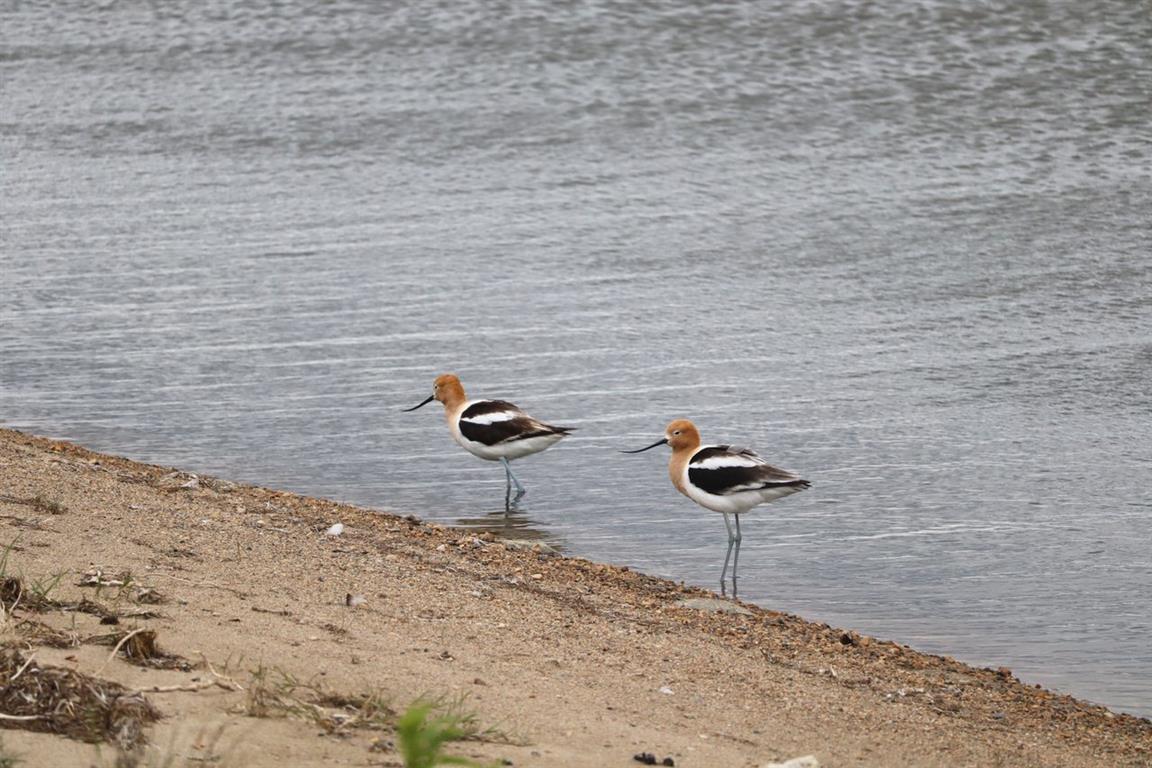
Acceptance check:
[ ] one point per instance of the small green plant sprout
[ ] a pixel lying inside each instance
(16, 591)
(41, 589)
(421, 739)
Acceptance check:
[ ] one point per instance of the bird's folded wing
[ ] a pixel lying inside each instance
(495, 421)
(724, 469)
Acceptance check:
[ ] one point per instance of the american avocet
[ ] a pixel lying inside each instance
(723, 478)
(493, 430)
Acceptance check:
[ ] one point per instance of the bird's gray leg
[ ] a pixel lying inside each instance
(728, 554)
(736, 557)
(520, 491)
(508, 502)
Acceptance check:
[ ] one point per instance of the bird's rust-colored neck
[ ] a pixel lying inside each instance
(676, 465)
(685, 439)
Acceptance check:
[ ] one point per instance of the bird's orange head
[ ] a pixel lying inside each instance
(682, 435)
(447, 389)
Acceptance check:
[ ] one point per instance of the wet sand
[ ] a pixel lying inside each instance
(570, 662)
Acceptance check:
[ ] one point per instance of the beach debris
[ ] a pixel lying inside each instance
(220, 486)
(15, 593)
(139, 647)
(273, 692)
(854, 638)
(179, 552)
(534, 546)
(647, 758)
(666, 690)
(714, 605)
(149, 596)
(808, 761)
(42, 503)
(42, 634)
(903, 693)
(189, 481)
(335, 530)
(95, 577)
(124, 581)
(352, 600)
(58, 700)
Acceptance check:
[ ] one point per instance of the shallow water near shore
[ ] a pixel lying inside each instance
(905, 255)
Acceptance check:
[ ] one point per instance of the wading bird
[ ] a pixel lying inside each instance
(724, 479)
(493, 430)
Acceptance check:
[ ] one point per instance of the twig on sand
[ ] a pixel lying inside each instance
(203, 685)
(119, 645)
(21, 670)
(20, 717)
(212, 670)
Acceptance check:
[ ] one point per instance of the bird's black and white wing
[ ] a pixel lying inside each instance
(728, 469)
(492, 422)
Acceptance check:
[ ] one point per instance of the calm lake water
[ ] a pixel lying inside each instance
(906, 252)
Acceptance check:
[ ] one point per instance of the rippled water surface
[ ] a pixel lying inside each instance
(905, 252)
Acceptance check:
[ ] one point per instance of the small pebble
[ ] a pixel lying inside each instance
(808, 761)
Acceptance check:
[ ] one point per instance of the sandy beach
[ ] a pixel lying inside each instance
(277, 643)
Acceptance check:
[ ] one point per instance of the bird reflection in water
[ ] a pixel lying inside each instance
(511, 524)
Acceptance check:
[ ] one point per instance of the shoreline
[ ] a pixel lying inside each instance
(578, 663)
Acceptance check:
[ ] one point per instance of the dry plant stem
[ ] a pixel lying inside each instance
(228, 680)
(21, 670)
(116, 650)
(19, 597)
(20, 717)
(189, 687)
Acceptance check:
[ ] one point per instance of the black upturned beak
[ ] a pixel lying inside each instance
(661, 441)
(430, 399)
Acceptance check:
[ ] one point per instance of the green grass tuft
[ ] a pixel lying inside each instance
(422, 739)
